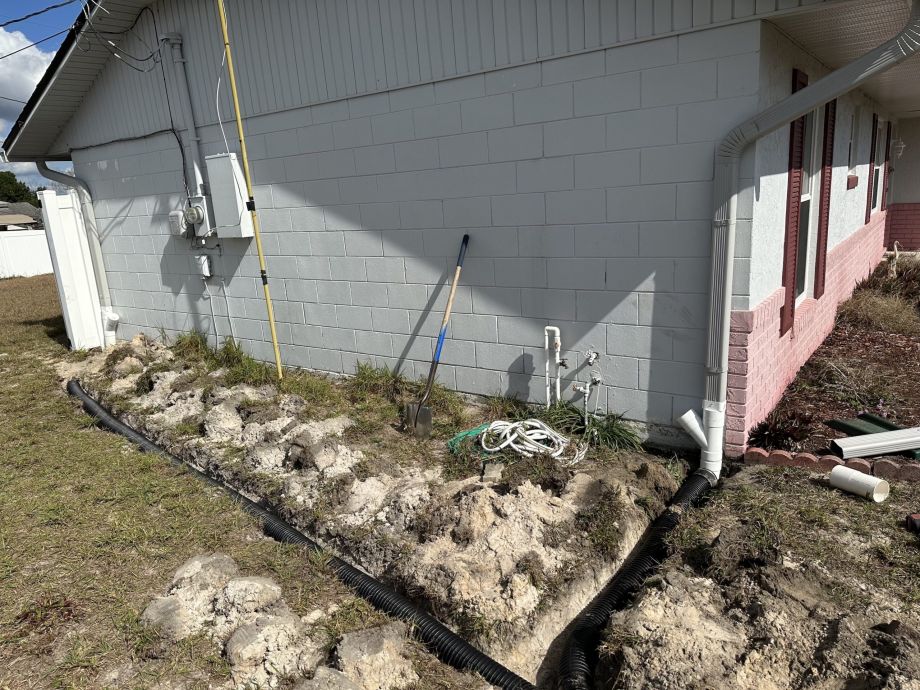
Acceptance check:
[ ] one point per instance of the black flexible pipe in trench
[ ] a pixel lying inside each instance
(580, 654)
(448, 646)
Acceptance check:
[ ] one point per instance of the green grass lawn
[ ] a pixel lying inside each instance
(91, 530)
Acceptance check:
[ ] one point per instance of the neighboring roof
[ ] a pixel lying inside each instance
(67, 79)
(20, 207)
(16, 219)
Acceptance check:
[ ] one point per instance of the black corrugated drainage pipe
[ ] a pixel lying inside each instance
(447, 645)
(580, 654)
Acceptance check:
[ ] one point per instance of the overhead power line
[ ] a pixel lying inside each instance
(31, 45)
(117, 51)
(36, 13)
(7, 98)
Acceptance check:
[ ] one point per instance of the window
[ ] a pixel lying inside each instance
(886, 167)
(878, 166)
(824, 208)
(853, 147)
(798, 207)
(811, 168)
(806, 205)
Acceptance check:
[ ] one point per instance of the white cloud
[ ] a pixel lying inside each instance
(19, 74)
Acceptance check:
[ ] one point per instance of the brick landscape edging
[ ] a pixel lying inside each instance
(884, 468)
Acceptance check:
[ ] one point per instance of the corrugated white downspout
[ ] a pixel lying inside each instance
(709, 432)
(107, 314)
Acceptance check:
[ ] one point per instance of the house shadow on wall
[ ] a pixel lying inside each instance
(642, 379)
(647, 389)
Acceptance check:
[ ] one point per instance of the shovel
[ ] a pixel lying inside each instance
(418, 415)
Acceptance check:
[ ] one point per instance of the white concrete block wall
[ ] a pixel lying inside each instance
(584, 183)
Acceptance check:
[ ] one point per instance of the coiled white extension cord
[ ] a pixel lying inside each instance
(528, 438)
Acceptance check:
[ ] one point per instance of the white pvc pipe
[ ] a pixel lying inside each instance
(107, 315)
(859, 483)
(557, 347)
(725, 194)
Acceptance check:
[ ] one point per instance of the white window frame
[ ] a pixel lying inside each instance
(853, 148)
(811, 194)
(878, 165)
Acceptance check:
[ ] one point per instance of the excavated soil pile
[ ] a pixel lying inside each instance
(266, 644)
(780, 582)
(507, 562)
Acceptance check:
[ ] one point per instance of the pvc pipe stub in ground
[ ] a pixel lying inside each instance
(860, 484)
(111, 320)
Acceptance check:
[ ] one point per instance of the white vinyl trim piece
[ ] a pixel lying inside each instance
(73, 269)
(883, 443)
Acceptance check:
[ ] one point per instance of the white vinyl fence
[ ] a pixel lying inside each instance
(23, 253)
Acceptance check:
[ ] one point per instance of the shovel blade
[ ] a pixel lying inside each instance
(418, 420)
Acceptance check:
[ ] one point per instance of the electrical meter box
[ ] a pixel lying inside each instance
(228, 196)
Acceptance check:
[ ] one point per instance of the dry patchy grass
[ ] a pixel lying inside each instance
(763, 515)
(93, 529)
(891, 313)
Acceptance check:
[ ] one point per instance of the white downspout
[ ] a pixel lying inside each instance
(709, 432)
(107, 314)
(188, 115)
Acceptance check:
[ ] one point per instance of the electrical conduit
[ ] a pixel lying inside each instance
(185, 102)
(709, 431)
(448, 646)
(106, 313)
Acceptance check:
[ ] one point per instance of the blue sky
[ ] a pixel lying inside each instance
(19, 73)
(43, 25)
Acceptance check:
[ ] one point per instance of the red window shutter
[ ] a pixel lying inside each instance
(885, 182)
(793, 202)
(872, 152)
(824, 210)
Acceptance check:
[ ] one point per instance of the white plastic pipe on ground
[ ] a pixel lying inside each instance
(859, 483)
(883, 443)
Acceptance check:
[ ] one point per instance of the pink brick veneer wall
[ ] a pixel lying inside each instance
(903, 225)
(762, 363)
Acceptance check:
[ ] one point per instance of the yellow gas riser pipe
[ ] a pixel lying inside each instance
(251, 204)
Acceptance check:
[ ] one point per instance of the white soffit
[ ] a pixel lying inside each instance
(839, 34)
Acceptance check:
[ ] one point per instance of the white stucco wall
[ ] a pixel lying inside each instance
(779, 56)
(905, 175)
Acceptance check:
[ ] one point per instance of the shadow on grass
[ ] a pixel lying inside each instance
(54, 328)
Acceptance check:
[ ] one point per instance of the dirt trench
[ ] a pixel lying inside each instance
(507, 561)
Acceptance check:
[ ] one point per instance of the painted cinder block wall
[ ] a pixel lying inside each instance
(584, 182)
(762, 361)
